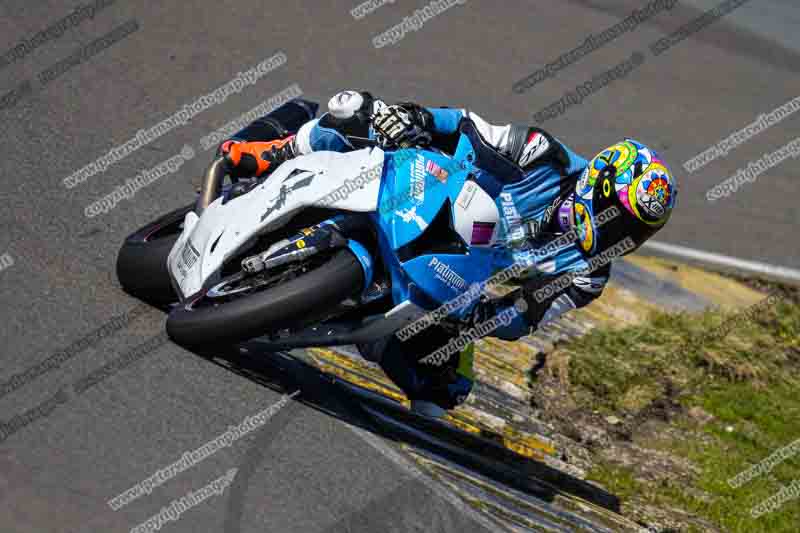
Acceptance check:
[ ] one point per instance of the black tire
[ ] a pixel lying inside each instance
(301, 300)
(142, 260)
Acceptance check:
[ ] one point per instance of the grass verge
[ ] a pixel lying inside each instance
(665, 413)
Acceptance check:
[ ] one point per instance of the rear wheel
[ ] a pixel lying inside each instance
(142, 260)
(240, 308)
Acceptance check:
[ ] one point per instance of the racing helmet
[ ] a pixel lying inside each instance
(631, 177)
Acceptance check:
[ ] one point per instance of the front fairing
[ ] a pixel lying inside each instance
(418, 185)
(225, 229)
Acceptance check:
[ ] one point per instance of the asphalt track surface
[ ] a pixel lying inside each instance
(306, 470)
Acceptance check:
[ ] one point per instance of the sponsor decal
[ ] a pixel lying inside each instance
(187, 259)
(511, 219)
(509, 209)
(280, 200)
(654, 193)
(418, 180)
(438, 172)
(536, 226)
(467, 194)
(482, 232)
(565, 214)
(410, 215)
(447, 275)
(537, 145)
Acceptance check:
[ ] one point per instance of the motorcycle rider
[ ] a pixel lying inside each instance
(546, 191)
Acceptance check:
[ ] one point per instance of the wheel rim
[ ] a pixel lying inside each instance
(239, 284)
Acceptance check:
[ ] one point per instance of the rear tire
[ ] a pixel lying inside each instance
(303, 299)
(142, 259)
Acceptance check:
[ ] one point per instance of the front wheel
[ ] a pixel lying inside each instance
(241, 308)
(142, 260)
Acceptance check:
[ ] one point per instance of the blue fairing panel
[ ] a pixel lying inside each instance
(365, 259)
(415, 186)
(443, 277)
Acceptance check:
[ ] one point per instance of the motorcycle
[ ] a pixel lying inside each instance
(330, 249)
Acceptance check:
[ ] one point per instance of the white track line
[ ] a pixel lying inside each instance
(743, 265)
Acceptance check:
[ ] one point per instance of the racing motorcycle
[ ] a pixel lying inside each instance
(329, 249)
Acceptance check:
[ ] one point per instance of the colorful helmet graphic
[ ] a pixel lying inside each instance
(632, 178)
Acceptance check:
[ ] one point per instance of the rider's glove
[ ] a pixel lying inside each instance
(403, 125)
(246, 159)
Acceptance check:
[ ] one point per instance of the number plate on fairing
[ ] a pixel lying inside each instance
(187, 259)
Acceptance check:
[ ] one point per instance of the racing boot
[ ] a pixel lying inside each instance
(255, 158)
(432, 389)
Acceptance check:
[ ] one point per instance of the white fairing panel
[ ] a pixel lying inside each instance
(477, 219)
(349, 182)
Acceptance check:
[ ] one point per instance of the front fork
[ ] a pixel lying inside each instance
(328, 235)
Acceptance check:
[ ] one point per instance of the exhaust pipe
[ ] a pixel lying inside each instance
(212, 185)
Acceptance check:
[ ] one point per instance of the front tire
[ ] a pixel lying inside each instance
(304, 299)
(142, 259)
